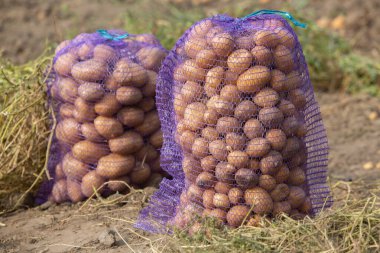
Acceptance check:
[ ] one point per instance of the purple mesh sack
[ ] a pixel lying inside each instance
(243, 135)
(108, 134)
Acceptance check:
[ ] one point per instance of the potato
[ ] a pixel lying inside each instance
(280, 192)
(260, 200)
(156, 139)
(140, 174)
(84, 51)
(235, 196)
(245, 110)
(58, 172)
(257, 147)
(122, 73)
(108, 105)
(192, 72)
(238, 159)
(297, 159)
(127, 143)
(298, 98)
(193, 45)
(278, 81)
(218, 214)
(74, 191)
(267, 182)
(179, 105)
(282, 207)
(193, 115)
(224, 172)
(194, 193)
(149, 89)
(236, 215)
(187, 139)
(105, 53)
(271, 116)
(191, 167)
(91, 91)
(297, 176)
(230, 93)
(302, 130)
(230, 78)
(90, 133)
(147, 104)
(227, 124)
(146, 38)
(150, 124)
(292, 146)
(245, 42)
(246, 178)
(255, 221)
(286, 37)
(91, 70)
(296, 196)
(108, 127)
(266, 97)
(191, 91)
(221, 201)
(64, 63)
(266, 38)
(181, 127)
(206, 58)
(59, 191)
(68, 89)
(68, 131)
(277, 138)
(223, 107)
(179, 73)
(253, 79)
(208, 198)
(200, 147)
(84, 111)
(151, 57)
(293, 80)
(262, 56)
(290, 126)
(218, 149)
(270, 163)
(74, 168)
(119, 184)
(92, 182)
(222, 187)
(214, 79)
(208, 163)
(205, 180)
(287, 108)
(239, 60)
(254, 164)
(66, 111)
(115, 165)
(295, 214)
(201, 28)
(88, 151)
(128, 95)
(222, 44)
(210, 116)
(131, 116)
(212, 32)
(306, 206)
(235, 141)
(253, 129)
(209, 133)
(155, 165)
(62, 45)
(282, 174)
(283, 59)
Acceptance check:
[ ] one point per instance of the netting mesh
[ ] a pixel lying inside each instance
(107, 135)
(243, 135)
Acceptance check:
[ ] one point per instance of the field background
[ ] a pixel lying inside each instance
(342, 47)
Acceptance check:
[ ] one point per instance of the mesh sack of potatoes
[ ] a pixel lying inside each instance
(107, 134)
(243, 135)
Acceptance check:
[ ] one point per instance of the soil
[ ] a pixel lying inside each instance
(353, 128)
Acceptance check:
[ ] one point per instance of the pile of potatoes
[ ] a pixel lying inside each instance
(108, 129)
(239, 101)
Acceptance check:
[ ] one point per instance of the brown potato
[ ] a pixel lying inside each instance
(302, 130)
(221, 201)
(230, 93)
(306, 206)
(119, 184)
(246, 178)
(84, 111)
(59, 191)
(218, 149)
(290, 126)
(245, 42)
(277, 138)
(91, 70)
(278, 81)
(253, 129)
(298, 98)
(293, 80)
(245, 110)
(62, 45)
(287, 108)
(271, 116)
(270, 163)
(213, 80)
(74, 168)
(90, 133)
(286, 37)
(194, 193)
(235, 141)
(191, 91)
(218, 214)
(146, 38)
(258, 147)
(151, 57)
(267, 182)
(223, 107)
(253, 79)
(192, 72)
(108, 127)
(262, 56)
(156, 139)
(208, 163)
(138, 75)
(297, 176)
(227, 124)
(74, 191)
(222, 43)
(194, 115)
(210, 116)
(206, 58)
(147, 104)
(179, 105)
(187, 139)
(66, 111)
(84, 51)
(280, 192)
(208, 198)
(235, 195)
(105, 53)
(296, 196)
(68, 89)
(68, 131)
(92, 182)
(210, 133)
(239, 60)
(254, 164)
(181, 127)
(292, 146)
(58, 172)
(236, 215)
(225, 172)
(205, 180)
(282, 174)
(128, 95)
(282, 207)
(155, 165)
(122, 73)
(212, 32)
(283, 59)
(201, 28)
(88, 151)
(230, 78)
(200, 147)
(260, 200)
(64, 63)
(178, 74)
(108, 105)
(150, 124)
(266, 97)
(149, 89)
(115, 165)
(194, 45)
(191, 167)
(131, 116)
(91, 91)
(266, 38)
(140, 174)
(222, 187)
(238, 159)
(128, 143)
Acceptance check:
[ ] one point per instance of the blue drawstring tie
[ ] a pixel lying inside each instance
(281, 13)
(105, 34)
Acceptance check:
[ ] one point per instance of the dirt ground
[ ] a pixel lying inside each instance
(353, 127)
